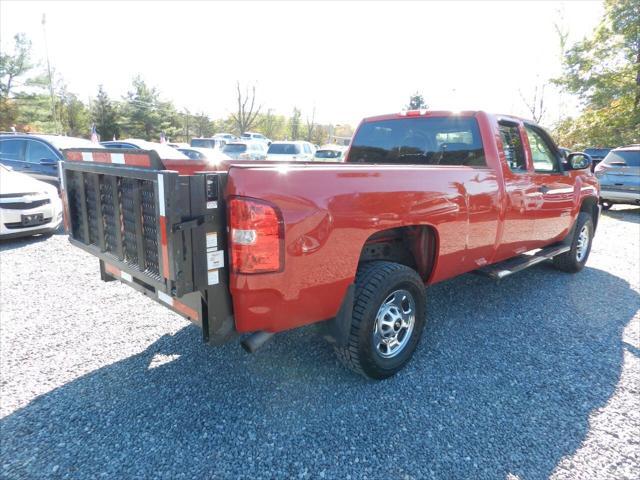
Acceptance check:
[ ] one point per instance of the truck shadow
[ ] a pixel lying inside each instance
(624, 212)
(503, 382)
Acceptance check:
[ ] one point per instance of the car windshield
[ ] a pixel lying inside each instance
(284, 148)
(328, 154)
(597, 152)
(192, 154)
(631, 158)
(203, 142)
(430, 141)
(234, 148)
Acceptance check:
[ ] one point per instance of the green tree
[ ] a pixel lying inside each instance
(604, 72)
(104, 113)
(202, 125)
(416, 102)
(18, 86)
(73, 113)
(142, 115)
(294, 124)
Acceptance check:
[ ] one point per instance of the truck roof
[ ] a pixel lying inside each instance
(439, 113)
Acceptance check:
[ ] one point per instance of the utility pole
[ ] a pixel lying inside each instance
(46, 50)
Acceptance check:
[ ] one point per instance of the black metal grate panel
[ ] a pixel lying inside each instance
(92, 208)
(126, 190)
(149, 226)
(73, 185)
(109, 220)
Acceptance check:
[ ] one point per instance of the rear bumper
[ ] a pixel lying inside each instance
(632, 198)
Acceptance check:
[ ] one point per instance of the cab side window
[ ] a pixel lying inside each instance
(37, 151)
(12, 149)
(544, 158)
(512, 146)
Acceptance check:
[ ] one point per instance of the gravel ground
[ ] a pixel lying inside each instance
(535, 377)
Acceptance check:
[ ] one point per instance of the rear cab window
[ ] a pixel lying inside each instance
(419, 141)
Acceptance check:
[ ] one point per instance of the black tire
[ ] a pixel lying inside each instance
(572, 261)
(376, 282)
(606, 205)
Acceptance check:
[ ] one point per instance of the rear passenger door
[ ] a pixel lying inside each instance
(12, 153)
(554, 188)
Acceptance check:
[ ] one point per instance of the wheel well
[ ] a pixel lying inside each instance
(414, 246)
(590, 206)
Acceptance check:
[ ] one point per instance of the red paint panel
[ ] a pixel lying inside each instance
(74, 156)
(137, 159)
(164, 247)
(185, 309)
(111, 270)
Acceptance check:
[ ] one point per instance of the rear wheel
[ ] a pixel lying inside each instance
(606, 205)
(574, 260)
(387, 322)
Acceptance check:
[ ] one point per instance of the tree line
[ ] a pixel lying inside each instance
(31, 102)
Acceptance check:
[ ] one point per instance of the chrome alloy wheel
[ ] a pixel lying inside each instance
(394, 323)
(583, 243)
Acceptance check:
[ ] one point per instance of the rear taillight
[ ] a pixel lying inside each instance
(256, 235)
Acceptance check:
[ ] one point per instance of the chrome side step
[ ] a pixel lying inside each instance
(516, 264)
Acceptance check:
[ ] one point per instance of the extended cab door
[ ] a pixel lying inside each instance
(521, 195)
(554, 187)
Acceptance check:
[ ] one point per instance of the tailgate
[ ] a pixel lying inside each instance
(160, 232)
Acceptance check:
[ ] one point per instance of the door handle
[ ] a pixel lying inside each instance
(543, 189)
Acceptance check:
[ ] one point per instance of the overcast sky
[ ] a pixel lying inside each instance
(349, 60)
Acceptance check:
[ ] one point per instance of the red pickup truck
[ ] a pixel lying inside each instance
(258, 248)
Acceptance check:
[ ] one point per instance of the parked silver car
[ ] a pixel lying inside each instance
(619, 175)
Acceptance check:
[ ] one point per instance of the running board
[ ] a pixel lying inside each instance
(516, 264)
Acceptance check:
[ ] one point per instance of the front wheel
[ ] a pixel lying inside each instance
(606, 205)
(387, 322)
(575, 259)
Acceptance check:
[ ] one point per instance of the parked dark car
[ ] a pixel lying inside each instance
(38, 155)
(597, 155)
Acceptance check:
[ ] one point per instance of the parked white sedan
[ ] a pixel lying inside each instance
(27, 206)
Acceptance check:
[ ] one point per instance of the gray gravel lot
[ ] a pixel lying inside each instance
(535, 377)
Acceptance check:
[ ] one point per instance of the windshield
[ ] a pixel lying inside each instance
(328, 154)
(192, 154)
(284, 148)
(203, 142)
(428, 141)
(629, 157)
(234, 148)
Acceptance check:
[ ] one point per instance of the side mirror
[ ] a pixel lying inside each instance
(47, 162)
(578, 161)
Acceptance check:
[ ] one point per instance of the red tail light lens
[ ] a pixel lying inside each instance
(256, 235)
